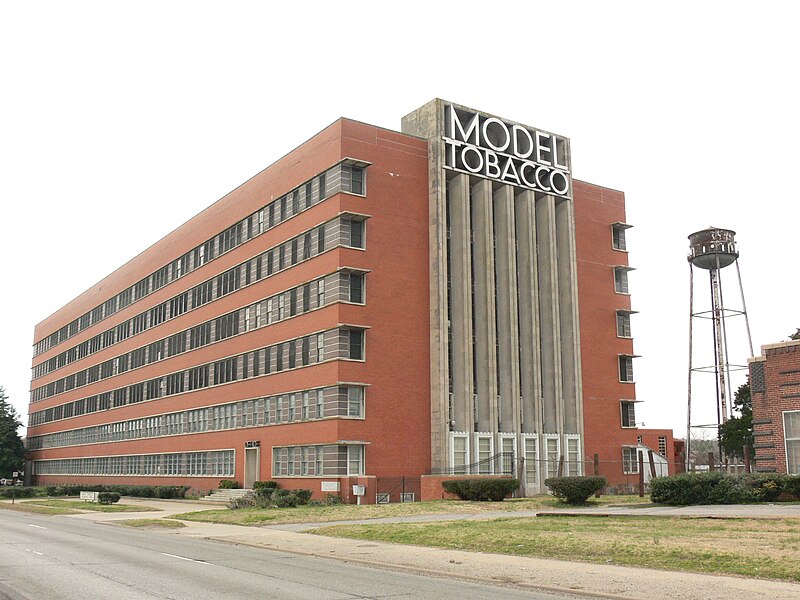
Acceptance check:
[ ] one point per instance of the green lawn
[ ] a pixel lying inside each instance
(93, 506)
(151, 523)
(768, 548)
(350, 512)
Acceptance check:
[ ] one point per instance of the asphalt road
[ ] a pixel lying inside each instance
(44, 558)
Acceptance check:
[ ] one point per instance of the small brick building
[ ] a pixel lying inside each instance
(775, 389)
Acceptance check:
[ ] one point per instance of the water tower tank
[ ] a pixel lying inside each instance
(712, 248)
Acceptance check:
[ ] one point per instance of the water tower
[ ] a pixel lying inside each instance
(713, 249)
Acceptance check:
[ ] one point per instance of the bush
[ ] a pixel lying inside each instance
(482, 489)
(229, 484)
(108, 497)
(138, 491)
(701, 488)
(246, 501)
(18, 492)
(575, 490)
(791, 485)
(289, 498)
(265, 488)
(766, 487)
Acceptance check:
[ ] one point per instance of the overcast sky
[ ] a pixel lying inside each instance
(120, 121)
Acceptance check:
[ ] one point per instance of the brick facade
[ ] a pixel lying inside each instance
(775, 389)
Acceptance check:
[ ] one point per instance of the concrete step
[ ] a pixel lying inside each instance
(225, 496)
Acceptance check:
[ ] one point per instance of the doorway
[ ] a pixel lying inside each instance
(252, 466)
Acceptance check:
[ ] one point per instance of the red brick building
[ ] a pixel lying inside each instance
(775, 391)
(361, 311)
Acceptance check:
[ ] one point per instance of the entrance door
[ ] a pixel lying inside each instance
(252, 466)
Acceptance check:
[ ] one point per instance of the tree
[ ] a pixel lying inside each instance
(737, 432)
(12, 450)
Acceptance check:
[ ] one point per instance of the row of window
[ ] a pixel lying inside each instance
(215, 463)
(347, 286)
(630, 455)
(491, 462)
(341, 231)
(340, 343)
(309, 461)
(341, 178)
(335, 401)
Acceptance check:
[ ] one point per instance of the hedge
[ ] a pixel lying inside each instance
(108, 497)
(482, 489)
(137, 491)
(229, 484)
(721, 488)
(19, 492)
(575, 490)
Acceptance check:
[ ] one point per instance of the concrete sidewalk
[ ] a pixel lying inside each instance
(604, 581)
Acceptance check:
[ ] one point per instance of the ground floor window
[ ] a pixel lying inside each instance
(630, 460)
(552, 449)
(791, 432)
(219, 463)
(531, 461)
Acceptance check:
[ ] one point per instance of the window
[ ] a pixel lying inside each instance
(200, 335)
(226, 326)
(531, 461)
(355, 460)
(228, 282)
(357, 180)
(551, 446)
(322, 191)
(294, 249)
(357, 234)
(178, 305)
(283, 209)
(320, 404)
(626, 369)
(320, 292)
(174, 383)
(306, 297)
(628, 413)
(357, 288)
(573, 462)
(630, 460)
(459, 454)
(621, 280)
(176, 344)
(484, 455)
(355, 402)
(618, 236)
(270, 262)
(507, 450)
(225, 370)
(307, 246)
(791, 433)
(355, 344)
(305, 353)
(321, 239)
(198, 377)
(292, 354)
(662, 445)
(293, 302)
(320, 347)
(623, 324)
(282, 258)
(201, 294)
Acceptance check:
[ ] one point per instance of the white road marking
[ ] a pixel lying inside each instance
(202, 562)
(37, 526)
(39, 553)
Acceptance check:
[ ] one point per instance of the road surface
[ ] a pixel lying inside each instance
(53, 558)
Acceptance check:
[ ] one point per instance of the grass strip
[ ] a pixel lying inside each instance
(350, 512)
(29, 507)
(152, 523)
(746, 547)
(80, 505)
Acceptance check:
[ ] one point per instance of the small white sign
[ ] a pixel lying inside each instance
(330, 486)
(90, 496)
(359, 490)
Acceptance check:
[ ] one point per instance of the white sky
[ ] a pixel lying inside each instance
(120, 121)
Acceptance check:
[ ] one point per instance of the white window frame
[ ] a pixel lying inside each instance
(550, 463)
(504, 439)
(634, 469)
(786, 441)
(359, 450)
(479, 437)
(573, 467)
(457, 469)
(621, 283)
(534, 440)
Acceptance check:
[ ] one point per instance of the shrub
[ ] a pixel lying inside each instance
(265, 488)
(333, 499)
(108, 497)
(766, 487)
(284, 498)
(303, 496)
(481, 488)
(701, 488)
(18, 492)
(229, 484)
(575, 490)
(791, 485)
(246, 501)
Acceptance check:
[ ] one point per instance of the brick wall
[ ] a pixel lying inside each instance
(775, 388)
